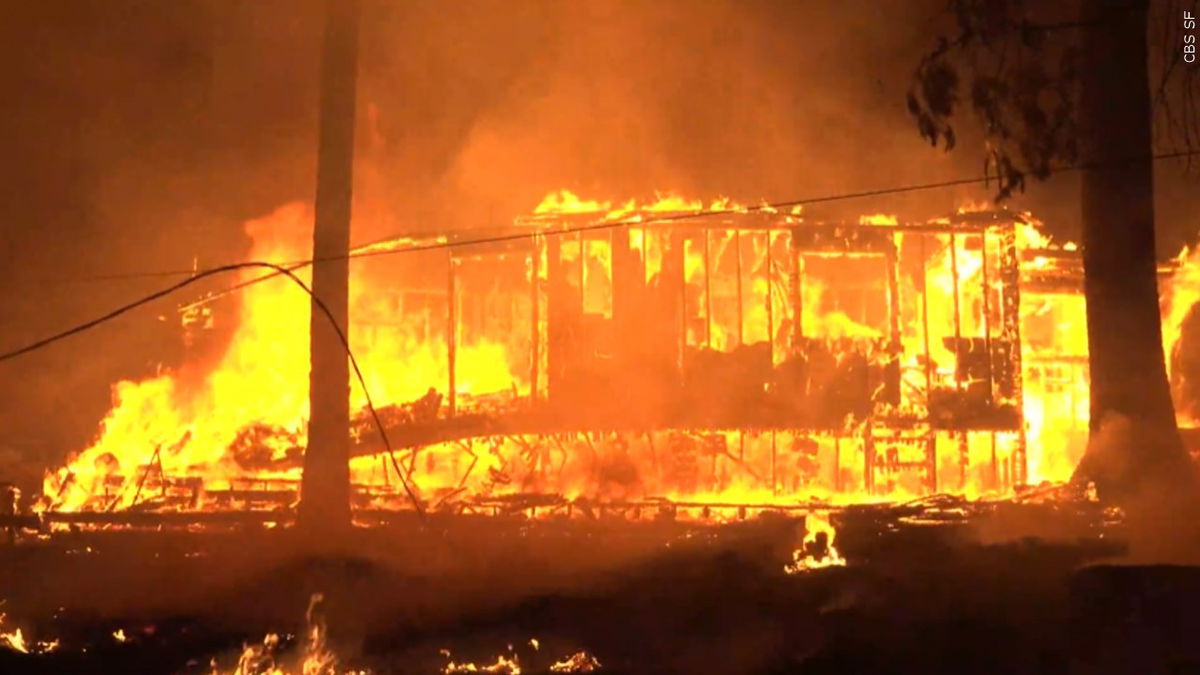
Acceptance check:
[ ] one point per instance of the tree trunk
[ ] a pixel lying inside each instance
(325, 486)
(1134, 450)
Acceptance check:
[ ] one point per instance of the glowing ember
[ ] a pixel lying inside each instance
(503, 665)
(579, 662)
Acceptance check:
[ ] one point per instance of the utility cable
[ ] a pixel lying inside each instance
(287, 269)
(370, 250)
(373, 249)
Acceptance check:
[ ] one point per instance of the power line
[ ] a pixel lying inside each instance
(369, 250)
(288, 268)
(221, 270)
(605, 224)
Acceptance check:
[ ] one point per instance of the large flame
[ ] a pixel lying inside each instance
(1181, 295)
(242, 414)
(185, 422)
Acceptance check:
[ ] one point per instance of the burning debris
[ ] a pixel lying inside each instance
(279, 654)
(257, 659)
(271, 658)
(14, 638)
(817, 549)
(579, 662)
(502, 666)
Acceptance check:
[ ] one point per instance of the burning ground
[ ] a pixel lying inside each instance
(925, 587)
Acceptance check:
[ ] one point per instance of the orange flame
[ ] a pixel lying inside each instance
(196, 422)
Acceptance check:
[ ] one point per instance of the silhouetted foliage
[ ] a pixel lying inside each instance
(1020, 85)
(1177, 90)
(1051, 93)
(1016, 63)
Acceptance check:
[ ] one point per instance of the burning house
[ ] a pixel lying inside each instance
(638, 359)
(305, 379)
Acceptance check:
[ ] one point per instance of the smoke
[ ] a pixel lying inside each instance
(751, 100)
(1140, 467)
(147, 133)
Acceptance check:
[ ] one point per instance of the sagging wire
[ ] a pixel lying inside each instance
(233, 267)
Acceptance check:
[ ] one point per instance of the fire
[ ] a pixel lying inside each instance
(1054, 365)
(186, 422)
(270, 657)
(817, 549)
(503, 665)
(579, 662)
(452, 335)
(1181, 296)
(878, 219)
(567, 202)
(16, 641)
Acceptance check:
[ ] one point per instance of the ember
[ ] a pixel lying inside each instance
(579, 662)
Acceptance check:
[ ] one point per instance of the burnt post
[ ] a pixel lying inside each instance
(797, 293)
(931, 441)
(707, 289)
(770, 297)
(557, 319)
(1009, 279)
(963, 445)
(671, 293)
(535, 259)
(628, 284)
(325, 485)
(741, 324)
(451, 335)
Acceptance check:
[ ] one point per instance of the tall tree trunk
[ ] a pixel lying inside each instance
(325, 486)
(1135, 447)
